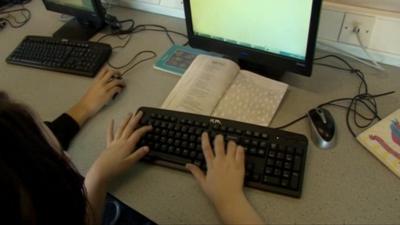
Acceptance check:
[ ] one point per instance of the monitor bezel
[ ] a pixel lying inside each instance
(270, 61)
(97, 18)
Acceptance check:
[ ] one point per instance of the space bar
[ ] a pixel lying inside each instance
(170, 158)
(30, 62)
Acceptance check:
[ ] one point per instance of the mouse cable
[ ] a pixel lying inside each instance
(291, 123)
(152, 56)
(333, 103)
(363, 99)
(123, 34)
(16, 23)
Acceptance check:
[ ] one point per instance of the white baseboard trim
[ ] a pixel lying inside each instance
(381, 57)
(153, 8)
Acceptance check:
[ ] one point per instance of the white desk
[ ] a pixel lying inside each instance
(346, 185)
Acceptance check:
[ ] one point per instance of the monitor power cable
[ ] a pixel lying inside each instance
(353, 104)
(376, 65)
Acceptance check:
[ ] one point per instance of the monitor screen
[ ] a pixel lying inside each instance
(284, 29)
(86, 5)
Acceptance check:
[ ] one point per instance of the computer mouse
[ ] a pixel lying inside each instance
(118, 77)
(323, 128)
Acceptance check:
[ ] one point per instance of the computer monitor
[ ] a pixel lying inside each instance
(88, 17)
(265, 36)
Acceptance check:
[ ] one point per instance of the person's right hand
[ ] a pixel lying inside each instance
(223, 183)
(225, 171)
(105, 86)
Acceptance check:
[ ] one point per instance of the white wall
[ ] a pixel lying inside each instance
(389, 5)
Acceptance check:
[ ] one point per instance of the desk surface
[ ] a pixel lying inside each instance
(345, 185)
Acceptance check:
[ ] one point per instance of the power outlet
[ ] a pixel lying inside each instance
(364, 23)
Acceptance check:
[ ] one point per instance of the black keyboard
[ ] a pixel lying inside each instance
(68, 56)
(275, 159)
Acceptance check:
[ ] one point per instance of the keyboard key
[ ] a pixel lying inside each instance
(255, 177)
(269, 170)
(286, 174)
(261, 152)
(294, 182)
(285, 182)
(280, 155)
(297, 163)
(271, 180)
(287, 165)
(277, 172)
(299, 151)
(272, 154)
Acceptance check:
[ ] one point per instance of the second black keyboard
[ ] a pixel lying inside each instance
(275, 159)
(69, 56)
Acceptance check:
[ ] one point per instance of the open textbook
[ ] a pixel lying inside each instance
(217, 87)
(383, 141)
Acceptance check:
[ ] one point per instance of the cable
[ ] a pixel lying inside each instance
(127, 33)
(363, 99)
(377, 65)
(141, 28)
(291, 123)
(343, 52)
(16, 23)
(152, 56)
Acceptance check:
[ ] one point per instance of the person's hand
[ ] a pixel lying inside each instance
(223, 183)
(225, 171)
(121, 153)
(104, 87)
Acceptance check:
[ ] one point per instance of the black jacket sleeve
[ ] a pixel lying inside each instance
(64, 128)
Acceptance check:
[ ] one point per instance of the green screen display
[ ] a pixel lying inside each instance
(78, 4)
(276, 26)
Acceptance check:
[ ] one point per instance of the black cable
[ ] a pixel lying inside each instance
(362, 99)
(291, 123)
(152, 53)
(119, 32)
(143, 27)
(16, 24)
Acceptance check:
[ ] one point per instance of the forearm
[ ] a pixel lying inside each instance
(96, 195)
(79, 113)
(239, 211)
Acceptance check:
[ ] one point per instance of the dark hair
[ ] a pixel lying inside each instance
(38, 185)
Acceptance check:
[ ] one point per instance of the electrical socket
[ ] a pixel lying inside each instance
(364, 23)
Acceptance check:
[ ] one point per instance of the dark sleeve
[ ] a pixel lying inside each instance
(64, 128)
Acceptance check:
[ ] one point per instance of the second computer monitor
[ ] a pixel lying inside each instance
(88, 17)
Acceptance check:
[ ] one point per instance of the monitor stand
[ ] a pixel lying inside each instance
(275, 74)
(77, 30)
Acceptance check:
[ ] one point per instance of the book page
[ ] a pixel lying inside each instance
(383, 141)
(252, 99)
(202, 86)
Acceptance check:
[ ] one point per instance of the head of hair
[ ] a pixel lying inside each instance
(38, 184)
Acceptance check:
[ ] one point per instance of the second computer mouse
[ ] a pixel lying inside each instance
(116, 76)
(323, 128)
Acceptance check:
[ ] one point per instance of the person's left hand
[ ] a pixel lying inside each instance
(121, 153)
(104, 87)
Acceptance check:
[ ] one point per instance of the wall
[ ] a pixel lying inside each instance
(389, 5)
